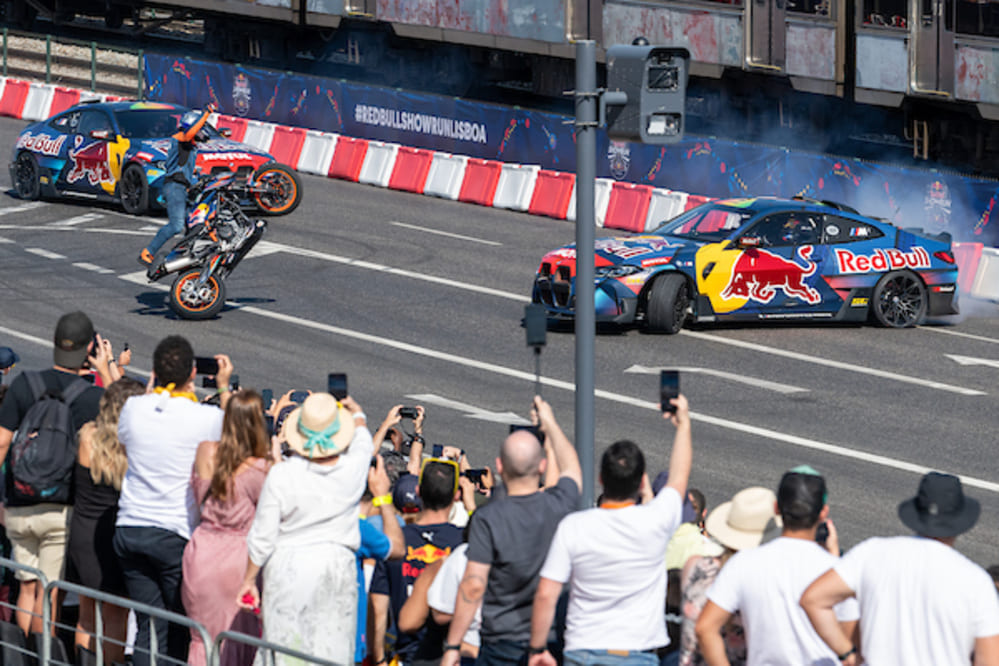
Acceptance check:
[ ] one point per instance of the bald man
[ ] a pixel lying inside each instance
(508, 541)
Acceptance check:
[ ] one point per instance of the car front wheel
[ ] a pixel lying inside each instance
(134, 190)
(899, 300)
(667, 305)
(26, 174)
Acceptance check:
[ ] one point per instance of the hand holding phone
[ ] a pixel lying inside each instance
(408, 412)
(669, 388)
(336, 384)
(206, 365)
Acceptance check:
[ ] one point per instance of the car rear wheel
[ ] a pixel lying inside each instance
(26, 174)
(279, 189)
(667, 306)
(134, 190)
(192, 300)
(899, 300)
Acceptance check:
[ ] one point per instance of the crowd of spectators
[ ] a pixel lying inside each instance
(290, 521)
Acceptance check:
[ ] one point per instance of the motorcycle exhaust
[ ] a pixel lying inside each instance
(178, 264)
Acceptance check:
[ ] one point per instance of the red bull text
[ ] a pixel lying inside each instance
(881, 260)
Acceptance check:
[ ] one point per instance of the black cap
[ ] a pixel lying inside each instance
(73, 334)
(801, 496)
(8, 357)
(940, 508)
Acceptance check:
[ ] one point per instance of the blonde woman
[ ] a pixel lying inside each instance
(100, 468)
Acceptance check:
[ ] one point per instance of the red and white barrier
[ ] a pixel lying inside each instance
(38, 102)
(286, 144)
(378, 163)
(481, 180)
(13, 97)
(447, 173)
(236, 126)
(317, 153)
(412, 167)
(553, 190)
(601, 197)
(258, 134)
(348, 158)
(986, 282)
(664, 205)
(967, 256)
(628, 207)
(63, 98)
(515, 186)
(695, 200)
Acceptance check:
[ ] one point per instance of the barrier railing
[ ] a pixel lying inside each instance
(269, 650)
(46, 645)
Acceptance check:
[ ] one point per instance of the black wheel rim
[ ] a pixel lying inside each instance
(680, 307)
(278, 186)
(26, 176)
(131, 189)
(901, 301)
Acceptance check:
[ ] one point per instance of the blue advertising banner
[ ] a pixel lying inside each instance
(700, 165)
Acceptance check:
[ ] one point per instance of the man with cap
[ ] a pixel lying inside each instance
(38, 531)
(921, 601)
(8, 357)
(157, 511)
(429, 539)
(764, 584)
(612, 559)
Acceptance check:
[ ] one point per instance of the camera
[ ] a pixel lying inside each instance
(474, 475)
(408, 412)
(206, 365)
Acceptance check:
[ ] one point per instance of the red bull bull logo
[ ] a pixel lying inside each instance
(758, 275)
(425, 554)
(881, 260)
(90, 162)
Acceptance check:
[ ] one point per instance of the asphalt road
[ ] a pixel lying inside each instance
(415, 296)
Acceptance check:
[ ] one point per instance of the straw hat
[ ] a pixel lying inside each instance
(320, 428)
(741, 522)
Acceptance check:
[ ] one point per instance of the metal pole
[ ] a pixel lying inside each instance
(586, 163)
(93, 66)
(48, 58)
(5, 51)
(142, 88)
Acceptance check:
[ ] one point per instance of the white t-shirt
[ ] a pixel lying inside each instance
(161, 434)
(443, 591)
(921, 601)
(304, 503)
(613, 562)
(765, 584)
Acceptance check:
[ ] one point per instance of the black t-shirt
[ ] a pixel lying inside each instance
(512, 534)
(425, 544)
(19, 400)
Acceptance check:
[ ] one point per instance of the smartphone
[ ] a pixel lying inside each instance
(822, 533)
(269, 422)
(298, 397)
(408, 412)
(125, 347)
(209, 382)
(234, 383)
(535, 324)
(206, 365)
(267, 397)
(336, 384)
(533, 429)
(437, 451)
(669, 387)
(474, 475)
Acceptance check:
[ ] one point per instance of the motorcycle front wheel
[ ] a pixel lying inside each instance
(193, 301)
(279, 189)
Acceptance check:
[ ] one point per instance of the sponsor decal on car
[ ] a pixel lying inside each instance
(758, 274)
(859, 302)
(41, 143)
(881, 260)
(655, 261)
(144, 156)
(91, 162)
(225, 157)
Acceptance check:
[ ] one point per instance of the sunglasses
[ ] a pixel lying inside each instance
(441, 461)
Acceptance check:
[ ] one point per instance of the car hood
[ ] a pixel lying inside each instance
(642, 251)
(152, 150)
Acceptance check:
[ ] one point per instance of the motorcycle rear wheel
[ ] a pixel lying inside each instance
(191, 301)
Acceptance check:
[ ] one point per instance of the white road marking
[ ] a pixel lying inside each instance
(93, 267)
(74, 221)
(149, 228)
(970, 336)
(970, 360)
(100, 230)
(446, 233)
(23, 207)
(139, 277)
(44, 253)
(5, 240)
(729, 376)
(839, 365)
(471, 411)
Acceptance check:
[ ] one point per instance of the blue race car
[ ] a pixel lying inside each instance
(761, 259)
(115, 151)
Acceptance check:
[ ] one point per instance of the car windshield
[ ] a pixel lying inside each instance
(152, 123)
(706, 223)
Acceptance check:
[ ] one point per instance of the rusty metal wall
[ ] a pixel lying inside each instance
(542, 20)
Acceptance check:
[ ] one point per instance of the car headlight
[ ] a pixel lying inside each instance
(616, 271)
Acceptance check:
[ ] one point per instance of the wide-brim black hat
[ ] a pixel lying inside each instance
(940, 508)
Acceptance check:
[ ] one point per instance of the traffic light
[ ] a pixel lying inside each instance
(646, 90)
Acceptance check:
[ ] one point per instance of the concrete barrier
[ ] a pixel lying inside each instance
(378, 163)
(516, 186)
(317, 152)
(446, 175)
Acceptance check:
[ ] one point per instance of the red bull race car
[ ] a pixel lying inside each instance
(115, 151)
(761, 259)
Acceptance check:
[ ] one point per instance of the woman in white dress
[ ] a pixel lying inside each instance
(306, 531)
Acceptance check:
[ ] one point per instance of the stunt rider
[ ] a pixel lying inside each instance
(180, 162)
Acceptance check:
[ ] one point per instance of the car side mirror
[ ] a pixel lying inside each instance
(225, 131)
(103, 135)
(749, 241)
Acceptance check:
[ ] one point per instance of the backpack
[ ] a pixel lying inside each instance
(44, 449)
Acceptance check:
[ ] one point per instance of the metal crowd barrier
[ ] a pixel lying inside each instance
(12, 604)
(270, 650)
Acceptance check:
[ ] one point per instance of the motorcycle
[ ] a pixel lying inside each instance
(219, 234)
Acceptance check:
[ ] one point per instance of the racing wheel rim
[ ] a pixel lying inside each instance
(282, 191)
(192, 300)
(132, 186)
(26, 176)
(900, 300)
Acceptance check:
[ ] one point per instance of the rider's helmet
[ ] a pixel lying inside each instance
(188, 120)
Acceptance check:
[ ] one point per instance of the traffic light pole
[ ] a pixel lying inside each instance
(586, 162)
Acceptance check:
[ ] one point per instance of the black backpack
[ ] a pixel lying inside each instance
(44, 449)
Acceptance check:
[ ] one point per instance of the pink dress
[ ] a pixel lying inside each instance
(215, 558)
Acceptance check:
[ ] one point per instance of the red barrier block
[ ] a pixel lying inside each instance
(15, 93)
(967, 256)
(348, 158)
(235, 125)
(286, 144)
(481, 179)
(62, 99)
(411, 168)
(695, 200)
(628, 207)
(552, 194)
